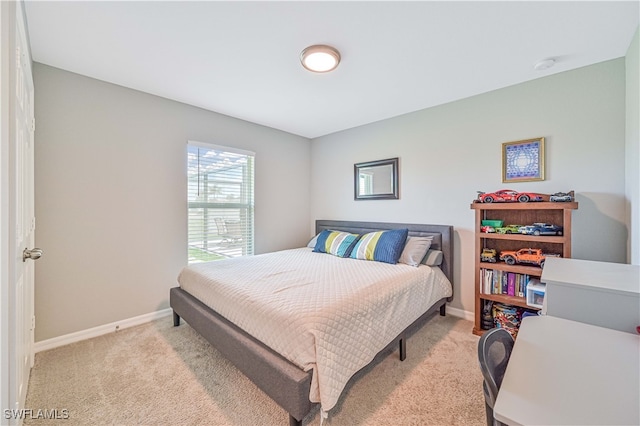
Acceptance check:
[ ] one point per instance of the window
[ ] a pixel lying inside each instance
(220, 202)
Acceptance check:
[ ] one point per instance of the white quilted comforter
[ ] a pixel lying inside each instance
(322, 312)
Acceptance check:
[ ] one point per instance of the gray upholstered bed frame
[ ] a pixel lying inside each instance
(283, 381)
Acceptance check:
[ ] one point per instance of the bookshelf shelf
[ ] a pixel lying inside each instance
(518, 269)
(517, 214)
(509, 300)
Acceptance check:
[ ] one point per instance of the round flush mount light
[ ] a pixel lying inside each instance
(544, 64)
(320, 58)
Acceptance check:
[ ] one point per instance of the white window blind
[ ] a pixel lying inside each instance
(220, 202)
(366, 183)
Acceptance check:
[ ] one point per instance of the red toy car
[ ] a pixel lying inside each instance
(508, 196)
(487, 229)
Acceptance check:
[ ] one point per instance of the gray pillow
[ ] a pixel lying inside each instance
(433, 258)
(415, 249)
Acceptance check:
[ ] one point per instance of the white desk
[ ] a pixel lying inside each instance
(564, 372)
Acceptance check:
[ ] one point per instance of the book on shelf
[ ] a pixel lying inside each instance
(511, 284)
(493, 281)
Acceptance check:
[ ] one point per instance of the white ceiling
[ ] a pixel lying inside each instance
(242, 58)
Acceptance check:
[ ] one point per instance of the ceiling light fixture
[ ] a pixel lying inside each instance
(320, 58)
(544, 64)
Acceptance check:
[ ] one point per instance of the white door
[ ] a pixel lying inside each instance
(18, 117)
(25, 219)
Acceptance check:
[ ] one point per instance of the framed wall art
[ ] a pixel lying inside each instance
(523, 161)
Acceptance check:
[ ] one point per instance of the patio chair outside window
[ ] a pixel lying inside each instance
(229, 230)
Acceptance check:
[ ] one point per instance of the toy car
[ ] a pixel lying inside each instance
(487, 229)
(509, 229)
(508, 196)
(541, 229)
(488, 255)
(528, 255)
(561, 197)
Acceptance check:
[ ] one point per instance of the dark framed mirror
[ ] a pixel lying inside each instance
(376, 180)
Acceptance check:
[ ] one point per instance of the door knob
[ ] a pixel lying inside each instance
(33, 254)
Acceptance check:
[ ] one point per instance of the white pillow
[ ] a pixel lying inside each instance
(312, 243)
(414, 251)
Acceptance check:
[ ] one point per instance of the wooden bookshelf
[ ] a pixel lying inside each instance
(517, 214)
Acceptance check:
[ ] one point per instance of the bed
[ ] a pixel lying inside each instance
(310, 367)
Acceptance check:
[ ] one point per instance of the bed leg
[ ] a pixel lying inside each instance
(294, 422)
(403, 349)
(443, 309)
(176, 319)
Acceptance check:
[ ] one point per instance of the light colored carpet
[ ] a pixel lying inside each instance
(157, 374)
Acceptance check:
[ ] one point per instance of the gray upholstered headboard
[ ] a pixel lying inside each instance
(442, 235)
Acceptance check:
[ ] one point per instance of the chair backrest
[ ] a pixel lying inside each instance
(220, 225)
(494, 350)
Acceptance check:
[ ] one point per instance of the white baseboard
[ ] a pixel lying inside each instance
(78, 336)
(55, 342)
(460, 313)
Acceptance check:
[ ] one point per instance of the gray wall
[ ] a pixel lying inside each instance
(111, 179)
(449, 152)
(632, 155)
(111, 196)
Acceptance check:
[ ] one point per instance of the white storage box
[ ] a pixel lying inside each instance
(535, 293)
(598, 293)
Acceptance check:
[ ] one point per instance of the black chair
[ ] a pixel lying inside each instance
(494, 350)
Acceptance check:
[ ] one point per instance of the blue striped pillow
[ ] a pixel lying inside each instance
(335, 242)
(381, 246)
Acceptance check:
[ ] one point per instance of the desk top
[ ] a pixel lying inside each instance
(564, 372)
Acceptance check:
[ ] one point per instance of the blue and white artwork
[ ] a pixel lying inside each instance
(522, 161)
